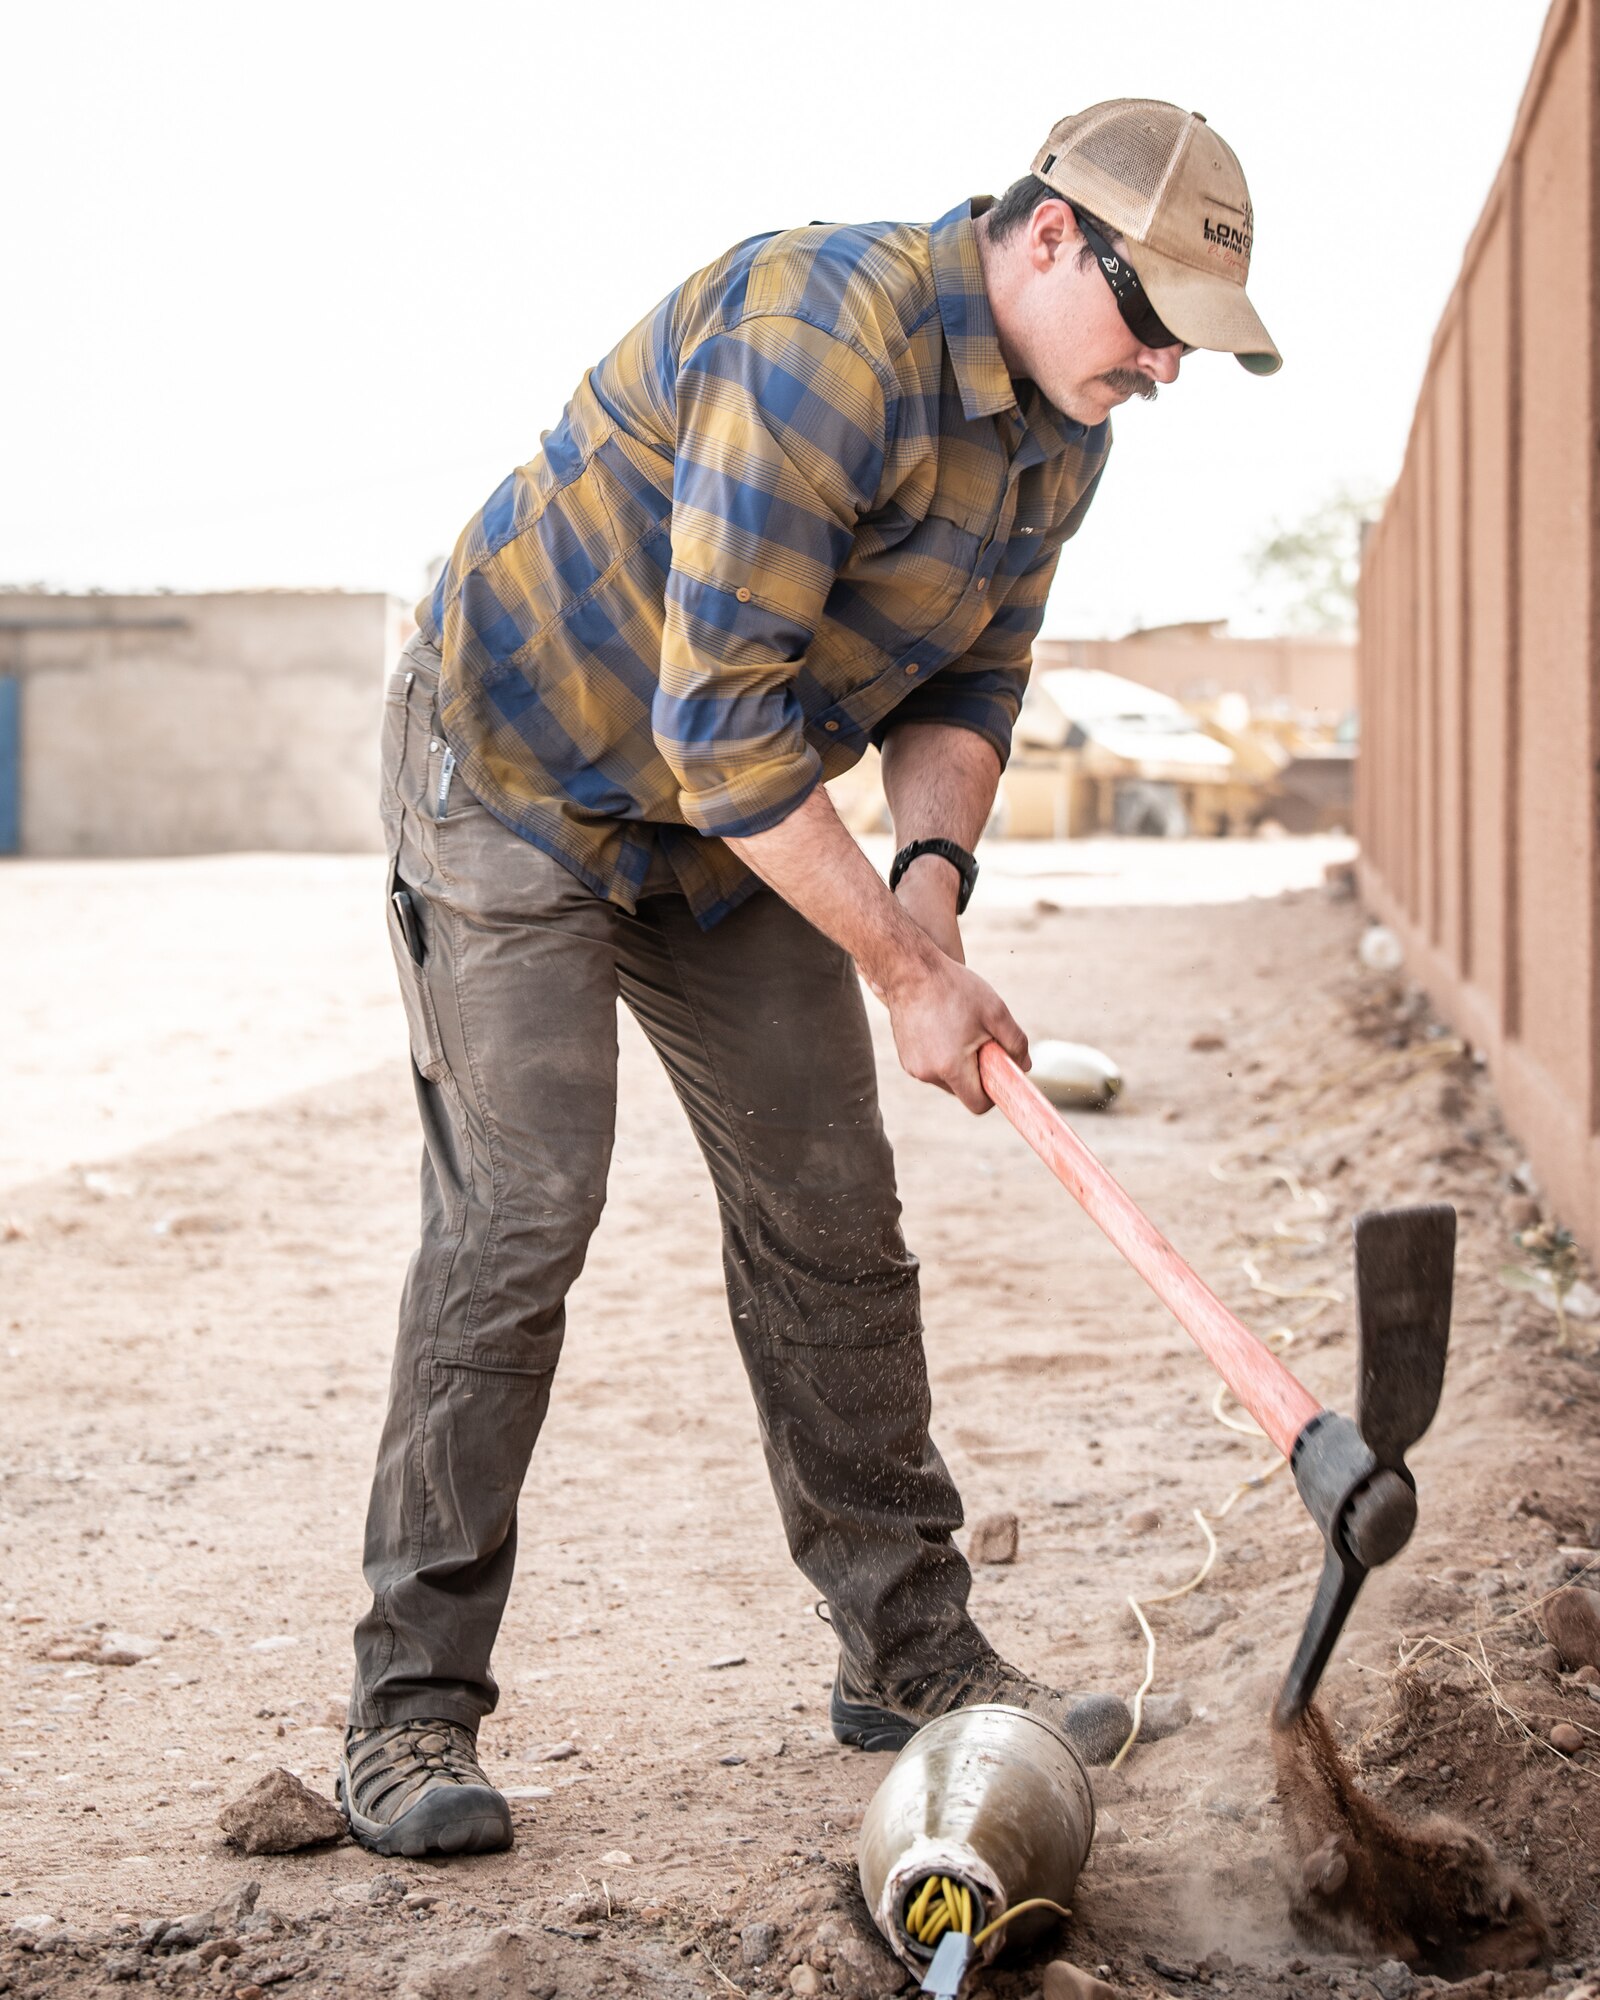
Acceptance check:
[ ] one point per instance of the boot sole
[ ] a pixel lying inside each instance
(458, 1819)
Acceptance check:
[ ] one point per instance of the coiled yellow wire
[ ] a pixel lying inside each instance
(942, 1904)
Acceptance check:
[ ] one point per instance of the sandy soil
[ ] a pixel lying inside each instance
(197, 1339)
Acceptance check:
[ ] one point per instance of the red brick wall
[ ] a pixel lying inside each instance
(1478, 789)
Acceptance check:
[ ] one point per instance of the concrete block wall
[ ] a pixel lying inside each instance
(1478, 786)
(197, 724)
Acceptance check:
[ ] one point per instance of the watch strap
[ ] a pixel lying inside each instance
(965, 865)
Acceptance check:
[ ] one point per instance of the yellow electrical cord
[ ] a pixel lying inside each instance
(942, 1904)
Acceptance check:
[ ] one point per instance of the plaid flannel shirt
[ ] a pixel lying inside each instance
(797, 506)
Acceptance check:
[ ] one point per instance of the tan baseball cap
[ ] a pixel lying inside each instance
(1163, 179)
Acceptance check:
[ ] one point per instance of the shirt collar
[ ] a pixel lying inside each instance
(969, 328)
(973, 339)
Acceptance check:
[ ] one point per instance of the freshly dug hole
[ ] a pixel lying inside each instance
(1430, 1892)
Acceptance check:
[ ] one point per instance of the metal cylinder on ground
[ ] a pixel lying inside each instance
(994, 1798)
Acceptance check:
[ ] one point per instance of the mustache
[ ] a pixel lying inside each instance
(1130, 382)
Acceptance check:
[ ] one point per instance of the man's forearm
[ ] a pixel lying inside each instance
(815, 863)
(940, 781)
(908, 947)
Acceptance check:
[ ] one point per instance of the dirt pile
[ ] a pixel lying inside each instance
(1432, 1893)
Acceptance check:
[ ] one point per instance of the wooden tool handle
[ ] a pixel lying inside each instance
(1255, 1375)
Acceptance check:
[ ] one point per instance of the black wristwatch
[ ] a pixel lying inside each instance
(959, 859)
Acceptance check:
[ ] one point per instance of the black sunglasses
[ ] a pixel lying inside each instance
(1133, 302)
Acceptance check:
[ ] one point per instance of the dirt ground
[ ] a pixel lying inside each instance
(196, 1336)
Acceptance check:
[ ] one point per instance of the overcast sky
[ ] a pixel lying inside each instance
(291, 287)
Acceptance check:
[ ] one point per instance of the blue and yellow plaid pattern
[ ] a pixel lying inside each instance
(797, 506)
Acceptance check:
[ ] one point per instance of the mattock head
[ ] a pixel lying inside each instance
(1353, 1476)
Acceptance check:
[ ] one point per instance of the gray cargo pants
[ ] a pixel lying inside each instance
(510, 978)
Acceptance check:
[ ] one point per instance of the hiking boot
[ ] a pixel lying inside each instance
(416, 1788)
(886, 1718)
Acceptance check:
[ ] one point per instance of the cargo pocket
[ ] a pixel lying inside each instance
(409, 941)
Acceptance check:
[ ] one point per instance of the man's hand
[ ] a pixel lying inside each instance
(941, 1015)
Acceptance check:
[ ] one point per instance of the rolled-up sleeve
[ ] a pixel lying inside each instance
(982, 691)
(781, 431)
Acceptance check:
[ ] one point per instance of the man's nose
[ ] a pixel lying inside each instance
(1161, 362)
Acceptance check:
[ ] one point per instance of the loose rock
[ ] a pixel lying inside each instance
(994, 1539)
(1205, 1043)
(501, 1966)
(1572, 1625)
(279, 1815)
(1567, 1739)
(805, 1979)
(1066, 1981)
(757, 1943)
(1394, 1979)
(1164, 1715)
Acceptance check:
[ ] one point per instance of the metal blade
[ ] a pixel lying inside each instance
(1337, 1588)
(1405, 1262)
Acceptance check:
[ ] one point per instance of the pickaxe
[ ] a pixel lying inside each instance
(1352, 1476)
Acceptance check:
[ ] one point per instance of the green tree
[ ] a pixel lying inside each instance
(1309, 569)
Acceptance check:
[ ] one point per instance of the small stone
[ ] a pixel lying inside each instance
(860, 1969)
(1066, 1981)
(616, 1857)
(25, 1929)
(727, 1660)
(1571, 1620)
(526, 1792)
(418, 1899)
(1587, 1676)
(732, 1757)
(203, 1787)
(557, 1753)
(1567, 1739)
(805, 1979)
(1142, 1521)
(1394, 1979)
(232, 1909)
(386, 1888)
(1447, 1774)
(1164, 1715)
(279, 1815)
(993, 1539)
(1207, 1042)
(1202, 1615)
(757, 1943)
(502, 1966)
(1109, 1831)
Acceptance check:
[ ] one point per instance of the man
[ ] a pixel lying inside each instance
(814, 501)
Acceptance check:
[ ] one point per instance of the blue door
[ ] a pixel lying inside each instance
(10, 764)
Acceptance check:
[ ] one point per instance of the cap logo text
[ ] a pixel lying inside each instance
(1229, 236)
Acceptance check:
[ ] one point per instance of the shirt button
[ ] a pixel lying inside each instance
(830, 725)
(743, 595)
(983, 583)
(1024, 531)
(912, 668)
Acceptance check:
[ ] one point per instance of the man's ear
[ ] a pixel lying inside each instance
(1053, 233)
